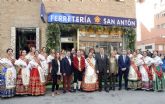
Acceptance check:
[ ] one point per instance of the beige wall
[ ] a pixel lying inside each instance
(96, 7)
(21, 13)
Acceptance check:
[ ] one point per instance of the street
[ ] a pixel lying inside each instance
(113, 97)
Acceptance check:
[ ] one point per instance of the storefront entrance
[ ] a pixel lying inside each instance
(25, 38)
(67, 46)
(68, 39)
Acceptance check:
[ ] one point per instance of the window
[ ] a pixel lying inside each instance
(148, 47)
(163, 14)
(163, 25)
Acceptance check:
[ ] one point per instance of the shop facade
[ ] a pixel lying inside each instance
(22, 23)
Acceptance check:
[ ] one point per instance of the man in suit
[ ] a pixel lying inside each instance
(124, 64)
(66, 70)
(102, 66)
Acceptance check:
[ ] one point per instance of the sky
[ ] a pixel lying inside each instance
(145, 15)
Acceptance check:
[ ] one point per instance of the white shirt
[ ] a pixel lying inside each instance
(157, 60)
(139, 56)
(58, 73)
(124, 57)
(130, 55)
(102, 56)
(117, 56)
(50, 58)
(148, 60)
(69, 59)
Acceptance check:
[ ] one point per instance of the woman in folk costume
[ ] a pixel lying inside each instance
(90, 82)
(37, 79)
(134, 76)
(43, 56)
(82, 52)
(146, 71)
(49, 61)
(7, 75)
(30, 55)
(129, 53)
(139, 55)
(158, 78)
(113, 70)
(23, 75)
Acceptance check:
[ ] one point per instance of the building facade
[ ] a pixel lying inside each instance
(154, 39)
(22, 27)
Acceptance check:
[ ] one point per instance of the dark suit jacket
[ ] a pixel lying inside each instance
(102, 65)
(123, 64)
(66, 67)
(54, 67)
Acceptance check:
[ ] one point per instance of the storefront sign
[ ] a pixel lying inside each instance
(91, 19)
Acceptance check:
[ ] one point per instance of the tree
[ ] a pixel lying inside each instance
(53, 37)
(130, 38)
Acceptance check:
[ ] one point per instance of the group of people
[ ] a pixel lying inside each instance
(29, 74)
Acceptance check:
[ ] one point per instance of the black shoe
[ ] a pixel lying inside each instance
(107, 90)
(64, 91)
(126, 89)
(119, 89)
(74, 90)
(100, 90)
(71, 90)
(80, 90)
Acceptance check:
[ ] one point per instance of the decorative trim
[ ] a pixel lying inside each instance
(37, 38)
(13, 39)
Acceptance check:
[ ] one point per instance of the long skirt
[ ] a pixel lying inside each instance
(35, 86)
(90, 86)
(146, 82)
(158, 84)
(20, 88)
(148, 85)
(134, 84)
(3, 91)
(90, 81)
